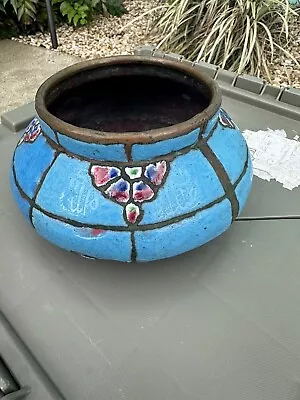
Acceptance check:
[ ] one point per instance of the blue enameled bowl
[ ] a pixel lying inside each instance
(130, 159)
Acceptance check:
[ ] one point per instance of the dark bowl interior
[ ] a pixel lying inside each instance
(128, 98)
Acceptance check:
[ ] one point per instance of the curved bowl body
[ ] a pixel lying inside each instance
(139, 200)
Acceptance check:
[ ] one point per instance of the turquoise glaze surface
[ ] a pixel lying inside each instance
(171, 197)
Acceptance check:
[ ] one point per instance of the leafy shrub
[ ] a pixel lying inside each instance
(239, 35)
(77, 12)
(27, 16)
(113, 7)
(7, 24)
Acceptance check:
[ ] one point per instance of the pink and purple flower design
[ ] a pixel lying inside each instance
(225, 120)
(156, 172)
(142, 192)
(32, 131)
(102, 175)
(129, 186)
(132, 213)
(119, 191)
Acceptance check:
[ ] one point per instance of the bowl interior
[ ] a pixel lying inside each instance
(128, 98)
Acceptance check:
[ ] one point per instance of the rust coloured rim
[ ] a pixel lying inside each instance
(149, 136)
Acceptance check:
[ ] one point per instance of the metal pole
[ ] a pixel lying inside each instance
(51, 24)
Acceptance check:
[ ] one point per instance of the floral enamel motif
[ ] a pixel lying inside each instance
(156, 172)
(132, 213)
(103, 175)
(134, 172)
(130, 186)
(32, 131)
(119, 191)
(225, 120)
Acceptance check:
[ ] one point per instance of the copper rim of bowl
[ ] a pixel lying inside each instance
(149, 136)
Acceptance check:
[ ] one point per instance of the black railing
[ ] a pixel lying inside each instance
(51, 24)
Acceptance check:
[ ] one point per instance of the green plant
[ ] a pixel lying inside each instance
(25, 10)
(239, 35)
(77, 11)
(113, 7)
(26, 16)
(7, 24)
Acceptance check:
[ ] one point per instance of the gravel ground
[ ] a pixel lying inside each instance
(104, 36)
(112, 36)
(285, 71)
